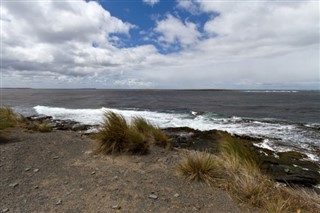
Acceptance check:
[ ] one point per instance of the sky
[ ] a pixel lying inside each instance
(160, 44)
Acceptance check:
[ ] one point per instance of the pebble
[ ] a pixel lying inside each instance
(27, 169)
(59, 202)
(5, 210)
(36, 170)
(36, 187)
(176, 195)
(13, 184)
(153, 196)
(116, 207)
(92, 173)
(55, 157)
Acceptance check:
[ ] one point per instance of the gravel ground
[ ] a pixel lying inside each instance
(58, 172)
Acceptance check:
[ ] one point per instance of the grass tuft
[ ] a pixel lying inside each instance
(199, 166)
(152, 133)
(116, 136)
(44, 127)
(7, 118)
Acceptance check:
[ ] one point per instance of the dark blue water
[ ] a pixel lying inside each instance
(299, 106)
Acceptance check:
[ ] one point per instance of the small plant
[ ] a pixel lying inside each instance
(44, 127)
(116, 136)
(152, 133)
(7, 118)
(199, 166)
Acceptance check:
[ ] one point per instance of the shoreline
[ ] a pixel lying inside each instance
(289, 167)
(51, 171)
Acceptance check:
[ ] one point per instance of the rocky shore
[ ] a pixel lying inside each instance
(291, 167)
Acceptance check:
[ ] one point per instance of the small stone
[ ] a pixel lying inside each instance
(81, 189)
(92, 173)
(153, 196)
(5, 210)
(59, 202)
(36, 170)
(116, 207)
(27, 169)
(115, 178)
(36, 187)
(13, 184)
(176, 195)
(55, 157)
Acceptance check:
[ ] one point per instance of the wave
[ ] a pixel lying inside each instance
(202, 121)
(277, 135)
(271, 91)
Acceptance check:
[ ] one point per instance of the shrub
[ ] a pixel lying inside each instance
(116, 136)
(199, 166)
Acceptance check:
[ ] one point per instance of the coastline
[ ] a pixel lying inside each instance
(52, 171)
(57, 171)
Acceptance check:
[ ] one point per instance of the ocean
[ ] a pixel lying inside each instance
(285, 120)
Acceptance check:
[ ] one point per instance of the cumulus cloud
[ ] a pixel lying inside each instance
(56, 39)
(243, 45)
(151, 2)
(173, 30)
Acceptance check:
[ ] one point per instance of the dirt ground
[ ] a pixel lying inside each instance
(58, 172)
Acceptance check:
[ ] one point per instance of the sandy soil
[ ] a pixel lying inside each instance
(58, 172)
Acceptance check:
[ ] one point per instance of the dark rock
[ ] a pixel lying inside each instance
(291, 155)
(80, 127)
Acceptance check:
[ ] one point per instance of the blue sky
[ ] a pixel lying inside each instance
(144, 16)
(161, 44)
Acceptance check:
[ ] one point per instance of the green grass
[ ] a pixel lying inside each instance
(236, 169)
(43, 127)
(199, 166)
(7, 118)
(116, 136)
(152, 133)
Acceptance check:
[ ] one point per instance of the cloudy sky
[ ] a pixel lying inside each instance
(261, 44)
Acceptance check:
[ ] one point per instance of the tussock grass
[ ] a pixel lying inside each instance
(238, 164)
(7, 118)
(199, 166)
(152, 133)
(237, 154)
(116, 136)
(43, 127)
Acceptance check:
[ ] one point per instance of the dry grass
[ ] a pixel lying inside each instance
(116, 136)
(238, 164)
(199, 166)
(43, 127)
(7, 118)
(152, 133)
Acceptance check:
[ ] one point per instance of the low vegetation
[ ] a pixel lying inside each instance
(200, 166)
(238, 164)
(118, 136)
(152, 133)
(8, 118)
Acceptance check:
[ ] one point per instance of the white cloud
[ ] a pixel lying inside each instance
(248, 45)
(188, 5)
(151, 2)
(173, 30)
(54, 41)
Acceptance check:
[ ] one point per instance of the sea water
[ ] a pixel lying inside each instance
(285, 120)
